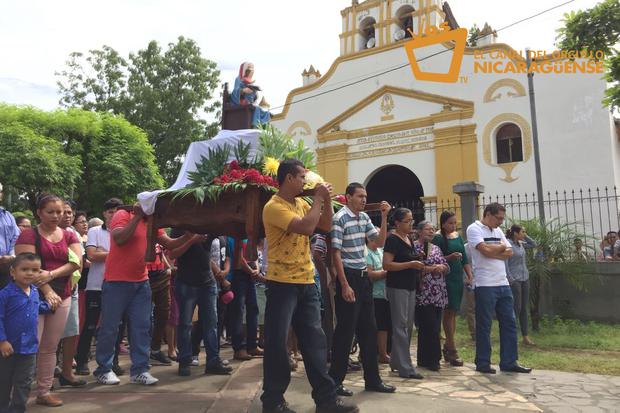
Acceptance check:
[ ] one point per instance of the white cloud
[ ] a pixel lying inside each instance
(280, 37)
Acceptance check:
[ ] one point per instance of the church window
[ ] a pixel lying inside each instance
(509, 144)
(367, 32)
(404, 18)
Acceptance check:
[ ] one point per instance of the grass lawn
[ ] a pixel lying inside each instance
(566, 345)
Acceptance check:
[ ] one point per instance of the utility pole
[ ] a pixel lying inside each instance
(539, 186)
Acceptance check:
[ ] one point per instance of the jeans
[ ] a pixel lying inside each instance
(498, 300)
(297, 305)
(134, 300)
(16, 373)
(206, 298)
(521, 295)
(356, 318)
(245, 296)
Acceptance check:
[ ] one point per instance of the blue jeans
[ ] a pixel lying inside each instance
(297, 305)
(206, 299)
(133, 299)
(498, 300)
(245, 296)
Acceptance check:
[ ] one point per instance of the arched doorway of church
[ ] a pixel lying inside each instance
(399, 186)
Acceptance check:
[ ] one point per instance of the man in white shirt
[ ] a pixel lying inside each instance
(97, 248)
(489, 251)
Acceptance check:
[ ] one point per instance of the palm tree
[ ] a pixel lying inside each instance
(554, 256)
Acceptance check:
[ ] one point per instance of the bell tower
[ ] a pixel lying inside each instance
(377, 23)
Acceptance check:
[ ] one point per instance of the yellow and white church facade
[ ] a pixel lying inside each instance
(371, 121)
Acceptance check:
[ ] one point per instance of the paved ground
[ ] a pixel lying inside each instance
(450, 390)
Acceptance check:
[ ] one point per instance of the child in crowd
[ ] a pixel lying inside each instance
(20, 306)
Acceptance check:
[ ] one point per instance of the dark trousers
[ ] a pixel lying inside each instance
(356, 318)
(93, 311)
(197, 338)
(428, 319)
(160, 290)
(16, 373)
(245, 297)
(521, 297)
(383, 318)
(223, 318)
(295, 305)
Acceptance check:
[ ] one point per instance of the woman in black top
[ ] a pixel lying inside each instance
(403, 267)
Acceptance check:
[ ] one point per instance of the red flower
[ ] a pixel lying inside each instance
(234, 165)
(341, 198)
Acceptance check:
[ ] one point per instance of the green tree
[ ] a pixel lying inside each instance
(32, 163)
(474, 34)
(114, 157)
(169, 94)
(592, 30)
(96, 82)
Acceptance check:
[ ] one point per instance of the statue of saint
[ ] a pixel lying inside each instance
(246, 93)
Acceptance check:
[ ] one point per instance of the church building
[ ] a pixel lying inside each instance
(409, 139)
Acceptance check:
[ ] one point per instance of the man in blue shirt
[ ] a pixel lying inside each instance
(9, 231)
(19, 314)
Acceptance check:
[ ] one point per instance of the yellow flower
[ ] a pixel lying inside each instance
(271, 166)
(312, 180)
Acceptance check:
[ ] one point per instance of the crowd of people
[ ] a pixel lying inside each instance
(68, 280)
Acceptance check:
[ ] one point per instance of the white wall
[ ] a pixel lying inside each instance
(574, 128)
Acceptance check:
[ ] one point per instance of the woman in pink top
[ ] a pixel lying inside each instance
(52, 244)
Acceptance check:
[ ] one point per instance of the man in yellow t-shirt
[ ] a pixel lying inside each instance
(292, 297)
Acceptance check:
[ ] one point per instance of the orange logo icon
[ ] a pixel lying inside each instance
(434, 35)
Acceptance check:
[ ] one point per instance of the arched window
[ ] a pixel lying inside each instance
(404, 20)
(509, 144)
(367, 31)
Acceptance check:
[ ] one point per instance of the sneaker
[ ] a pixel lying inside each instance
(194, 361)
(337, 406)
(108, 378)
(143, 378)
(161, 358)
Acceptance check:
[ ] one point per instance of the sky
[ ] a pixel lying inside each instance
(281, 37)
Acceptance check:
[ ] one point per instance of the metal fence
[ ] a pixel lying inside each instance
(590, 213)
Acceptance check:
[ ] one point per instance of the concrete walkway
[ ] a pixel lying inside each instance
(451, 389)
